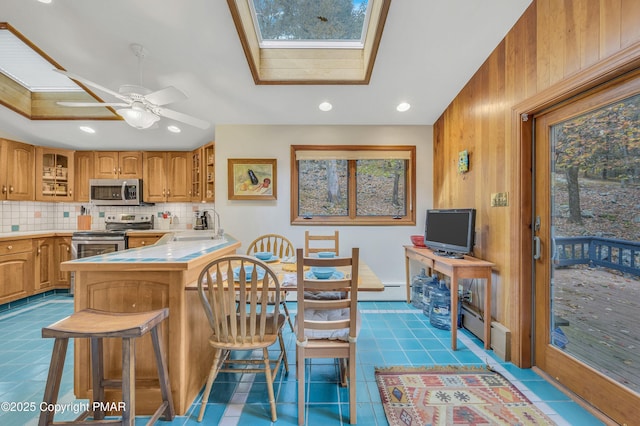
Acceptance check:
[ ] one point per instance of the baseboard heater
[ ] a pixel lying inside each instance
(500, 335)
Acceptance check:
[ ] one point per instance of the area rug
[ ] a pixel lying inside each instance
(453, 396)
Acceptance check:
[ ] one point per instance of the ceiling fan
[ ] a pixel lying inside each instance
(140, 107)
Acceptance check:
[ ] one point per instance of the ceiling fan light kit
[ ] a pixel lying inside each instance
(143, 108)
(138, 116)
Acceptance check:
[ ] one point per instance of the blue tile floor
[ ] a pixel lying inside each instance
(393, 333)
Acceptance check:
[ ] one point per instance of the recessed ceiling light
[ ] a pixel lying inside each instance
(403, 106)
(325, 106)
(87, 129)
(45, 1)
(174, 129)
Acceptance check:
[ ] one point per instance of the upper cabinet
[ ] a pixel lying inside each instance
(167, 176)
(208, 173)
(118, 165)
(16, 170)
(54, 174)
(196, 175)
(203, 174)
(83, 172)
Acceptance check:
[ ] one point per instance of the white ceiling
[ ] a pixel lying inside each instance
(429, 50)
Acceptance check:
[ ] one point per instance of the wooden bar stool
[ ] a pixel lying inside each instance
(97, 325)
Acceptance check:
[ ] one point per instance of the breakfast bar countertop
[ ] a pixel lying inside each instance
(166, 254)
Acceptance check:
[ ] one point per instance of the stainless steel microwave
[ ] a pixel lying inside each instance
(115, 192)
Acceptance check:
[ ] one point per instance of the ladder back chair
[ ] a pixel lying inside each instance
(242, 319)
(328, 328)
(327, 243)
(280, 247)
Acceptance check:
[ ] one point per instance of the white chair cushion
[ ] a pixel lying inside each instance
(329, 315)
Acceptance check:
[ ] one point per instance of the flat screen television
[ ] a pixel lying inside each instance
(450, 232)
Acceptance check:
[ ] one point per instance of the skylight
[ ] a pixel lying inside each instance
(28, 68)
(310, 41)
(309, 24)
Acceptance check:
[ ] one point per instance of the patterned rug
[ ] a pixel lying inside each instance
(453, 396)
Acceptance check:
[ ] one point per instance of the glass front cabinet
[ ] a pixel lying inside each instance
(54, 174)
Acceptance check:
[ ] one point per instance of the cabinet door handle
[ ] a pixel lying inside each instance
(70, 192)
(39, 250)
(168, 192)
(9, 247)
(119, 170)
(11, 189)
(164, 192)
(144, 242)
(114, 171)
(4, 189)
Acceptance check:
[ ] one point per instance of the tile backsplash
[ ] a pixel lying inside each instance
(26, 216)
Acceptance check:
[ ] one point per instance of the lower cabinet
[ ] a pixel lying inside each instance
(134, 241)
(43, 257)
(62, 253)
(16, 269)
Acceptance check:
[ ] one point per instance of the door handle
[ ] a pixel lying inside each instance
(536, 248)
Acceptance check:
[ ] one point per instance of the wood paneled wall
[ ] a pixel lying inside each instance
(550, 43)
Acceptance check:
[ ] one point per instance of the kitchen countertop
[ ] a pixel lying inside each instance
(34, 234)
(166, 253)
(68, 232)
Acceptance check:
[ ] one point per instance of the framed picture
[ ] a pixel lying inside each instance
(252, 179)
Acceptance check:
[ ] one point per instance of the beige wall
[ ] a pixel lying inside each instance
(552, 42)
(380, 247)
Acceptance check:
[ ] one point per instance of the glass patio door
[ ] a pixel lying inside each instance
(587, 239)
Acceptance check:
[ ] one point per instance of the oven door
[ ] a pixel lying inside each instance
(85, 247)
(81, 248)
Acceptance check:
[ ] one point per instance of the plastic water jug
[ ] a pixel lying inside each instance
(440, 310)
(427, 290)
(417, 285)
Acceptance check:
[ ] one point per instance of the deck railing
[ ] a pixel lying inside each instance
(622, 255)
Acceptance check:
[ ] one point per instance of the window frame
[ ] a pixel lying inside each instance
(352, 219)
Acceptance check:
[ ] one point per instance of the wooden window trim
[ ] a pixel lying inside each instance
(410, 181)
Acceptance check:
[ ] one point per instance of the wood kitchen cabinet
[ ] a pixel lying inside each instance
(209, 173)
(196, 174)
(17, 161)
(167, 176)
(203, 174)
(54, 174)
(144, 240)
(16, 269)
(118, 165)
(44, 266)
(62, 253)
(83, 172)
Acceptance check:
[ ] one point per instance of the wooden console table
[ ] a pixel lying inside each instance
(469, 267)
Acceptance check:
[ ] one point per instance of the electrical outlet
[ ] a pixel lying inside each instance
(499, 199)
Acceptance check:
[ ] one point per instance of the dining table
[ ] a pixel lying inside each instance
(285, 270)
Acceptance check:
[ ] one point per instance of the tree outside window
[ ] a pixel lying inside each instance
(352, 185)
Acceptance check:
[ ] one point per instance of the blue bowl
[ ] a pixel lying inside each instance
(326, 254)
(263, 255)
(323, 273)
(248, 270)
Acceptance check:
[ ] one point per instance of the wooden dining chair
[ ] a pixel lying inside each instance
(281, 247)
(327, 243)
(242, 319)
(327, 328)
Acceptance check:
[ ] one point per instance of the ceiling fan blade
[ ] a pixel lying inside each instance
(92, 84)
(166, 96)
(183, 118)
(92, 104)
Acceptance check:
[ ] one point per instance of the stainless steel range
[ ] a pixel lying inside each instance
(113, 238)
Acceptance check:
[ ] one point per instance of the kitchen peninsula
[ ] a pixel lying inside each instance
(144, 279)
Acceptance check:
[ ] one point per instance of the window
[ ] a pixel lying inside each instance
(352, 185)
